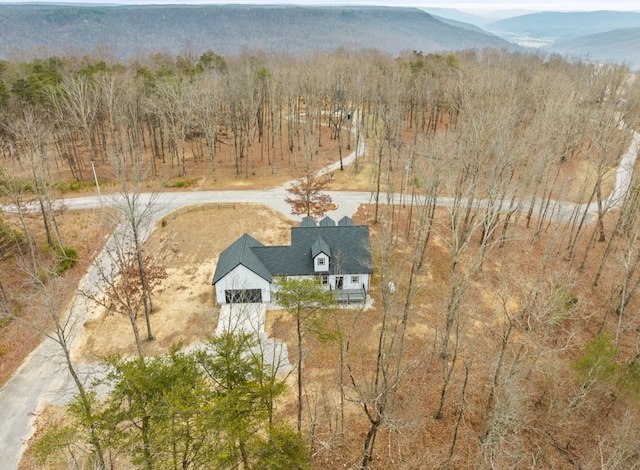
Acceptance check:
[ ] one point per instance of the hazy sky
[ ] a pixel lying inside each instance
(465, 5)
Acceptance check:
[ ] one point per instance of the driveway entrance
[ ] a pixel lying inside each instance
(242, 317)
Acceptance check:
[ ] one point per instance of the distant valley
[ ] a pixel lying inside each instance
(620, 46)
(600, 36)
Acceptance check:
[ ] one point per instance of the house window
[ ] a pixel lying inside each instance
(325, 280)
(355, 279)
(321, 261)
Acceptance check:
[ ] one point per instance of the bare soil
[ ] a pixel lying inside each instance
(185, 311)
(184, 307)
(186, 314)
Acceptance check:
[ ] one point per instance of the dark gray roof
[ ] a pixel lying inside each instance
(327, 222)
(350, 251)
(307, 222)
(320, 246)
(349, 248)
(280, 260)
(241, 252)
(345, 221)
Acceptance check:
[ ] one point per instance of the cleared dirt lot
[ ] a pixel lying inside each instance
(190, 241)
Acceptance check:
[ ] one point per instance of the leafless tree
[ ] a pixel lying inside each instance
(61, 327)
(244, 88)
(208, 111)
(114, 101)
(137, 211)
(375, 388)
(75, 102)
(119, 286)
(31, 134)
(173, 102)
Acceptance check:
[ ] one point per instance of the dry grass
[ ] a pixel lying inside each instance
(80, 230)
(194, 237)
(184, 312)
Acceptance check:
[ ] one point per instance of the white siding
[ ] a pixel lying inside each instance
(348, 281)
(274, 284)
(242, 278)
(321, 263)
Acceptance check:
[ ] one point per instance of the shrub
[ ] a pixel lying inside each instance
(10, 239)
(73, 186)
(14, 185)
(43, 276)
(66, 259)
(563, 303)
(598, 359)
(181, 183)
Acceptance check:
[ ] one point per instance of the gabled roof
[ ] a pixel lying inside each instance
(238, 253)
(308, 222)
(345, 221)
(350, 249)
(347, 245)
(327, 222)
(320, 246)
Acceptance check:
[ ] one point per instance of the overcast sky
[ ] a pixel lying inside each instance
(475, 6)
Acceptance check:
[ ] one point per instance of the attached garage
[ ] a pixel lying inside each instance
(243, 296)
(240, 278)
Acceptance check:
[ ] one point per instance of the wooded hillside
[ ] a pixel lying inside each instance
(503, 333)
(130, 31)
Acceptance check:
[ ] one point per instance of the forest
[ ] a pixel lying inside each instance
(504, 330)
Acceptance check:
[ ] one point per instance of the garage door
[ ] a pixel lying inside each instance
(243, 296)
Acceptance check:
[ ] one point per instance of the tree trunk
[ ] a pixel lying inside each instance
(299, 336)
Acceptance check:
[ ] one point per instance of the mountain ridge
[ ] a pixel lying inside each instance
(621, 46)
(603, 36)
(229, 29)
(566, 24)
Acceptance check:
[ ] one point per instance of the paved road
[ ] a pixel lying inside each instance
(43, 378)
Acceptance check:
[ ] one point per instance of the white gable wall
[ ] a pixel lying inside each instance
(242, 278)
(321, 263)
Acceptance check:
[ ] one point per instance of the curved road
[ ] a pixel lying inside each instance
(43, 377)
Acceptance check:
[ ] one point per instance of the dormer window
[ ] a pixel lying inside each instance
(321, 263)
(321, 253)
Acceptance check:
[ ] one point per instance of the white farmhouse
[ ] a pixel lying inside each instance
(338, 256)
